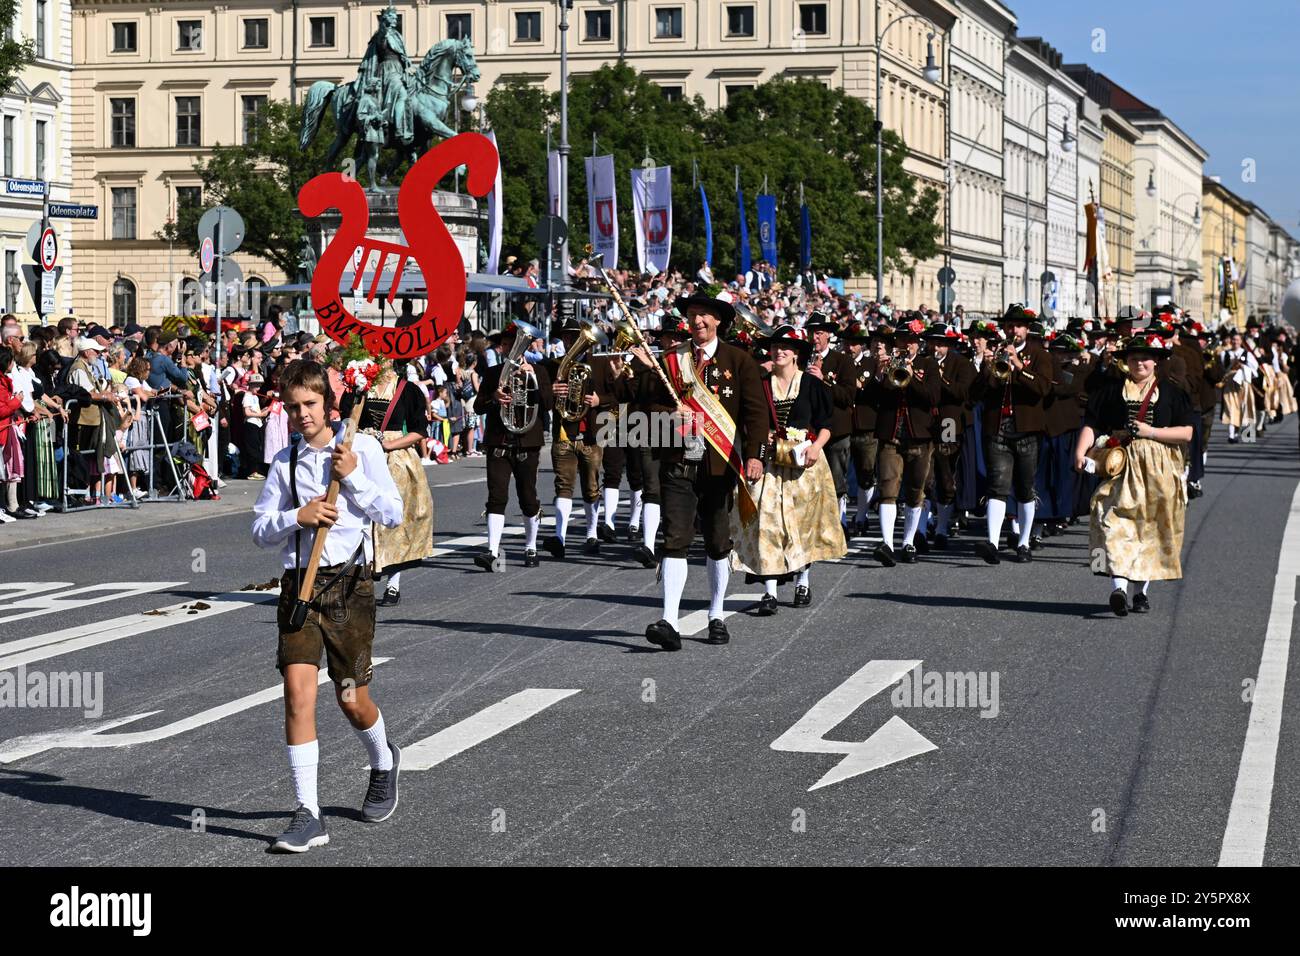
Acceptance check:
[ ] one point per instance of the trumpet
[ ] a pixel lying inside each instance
(575, 373)
(628, 335)
(521, 382)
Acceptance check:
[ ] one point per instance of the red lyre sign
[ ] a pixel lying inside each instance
(430, 243)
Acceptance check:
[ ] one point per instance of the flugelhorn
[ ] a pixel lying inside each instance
(1002, 367)
(898, 373)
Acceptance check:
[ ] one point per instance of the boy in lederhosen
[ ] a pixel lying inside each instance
(340, 619)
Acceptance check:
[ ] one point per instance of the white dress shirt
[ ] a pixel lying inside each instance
(366, 495)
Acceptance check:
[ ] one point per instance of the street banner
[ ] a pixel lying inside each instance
(652, 209)
(767, 226)
(553, 182)
(745, 263)
(805, 237)
(708, 227)
(494, 218)
(1090, 260)
(602, 210)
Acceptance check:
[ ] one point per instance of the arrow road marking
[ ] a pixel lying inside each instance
(20, 747)
(893, 742)
(473, 730)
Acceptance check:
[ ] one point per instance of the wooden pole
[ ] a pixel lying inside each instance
(331, 496)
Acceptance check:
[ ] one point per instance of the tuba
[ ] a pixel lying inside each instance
(748, 322)
(521, 382)
(575, 374)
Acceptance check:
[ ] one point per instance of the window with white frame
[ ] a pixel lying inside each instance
(41, 128)
(123, 302)
(41, 10)
(9, 147)
(458, 26)
(124, 37)
(668, 23)
(122, 122)
(599, 24)
(188, 121)
(528, 26)
(123, 212)
(256, 33)
(812, 19)
(252, 112)
(322, 31)
(189, 36)
(740, 21)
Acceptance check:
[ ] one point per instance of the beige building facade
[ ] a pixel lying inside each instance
(35, 116)
(156, 86)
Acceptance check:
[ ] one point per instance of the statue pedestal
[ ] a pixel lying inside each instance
(459, 212)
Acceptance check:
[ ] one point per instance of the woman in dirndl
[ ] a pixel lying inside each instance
(798, 510)
(1137, 516)
(396, 414)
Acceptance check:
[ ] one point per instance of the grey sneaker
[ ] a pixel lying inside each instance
(381, 795)
(305, 832)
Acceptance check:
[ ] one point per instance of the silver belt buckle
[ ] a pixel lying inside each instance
(694, 448)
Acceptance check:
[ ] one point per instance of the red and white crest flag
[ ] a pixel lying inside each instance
(652, 209)
(602, 210)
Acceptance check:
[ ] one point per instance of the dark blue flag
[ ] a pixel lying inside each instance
(805, 238)
(745, 262)
(708, 227)
(767, 227)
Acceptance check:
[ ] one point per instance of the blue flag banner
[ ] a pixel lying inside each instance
(708, 227)
(767, 227)
(745, 261)
(805, 238)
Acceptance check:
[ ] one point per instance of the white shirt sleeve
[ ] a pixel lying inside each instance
(274, 516)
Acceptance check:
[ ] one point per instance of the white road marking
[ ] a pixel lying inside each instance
(1246, 834)
(22, 589)
(30, 649)
(895, 741)
(72, 600)
(697, 621)
(473, 730)
(20, 747)
(457, 484)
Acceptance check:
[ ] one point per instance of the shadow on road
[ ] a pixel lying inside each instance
(565, 635)
(1097, 609)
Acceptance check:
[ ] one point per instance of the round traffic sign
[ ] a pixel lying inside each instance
(947, 276)
(49, 249)
(551, 231)
(206, 254)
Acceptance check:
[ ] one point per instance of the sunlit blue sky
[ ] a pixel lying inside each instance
(1227, 73)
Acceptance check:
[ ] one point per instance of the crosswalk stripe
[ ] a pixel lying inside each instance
(697, 621)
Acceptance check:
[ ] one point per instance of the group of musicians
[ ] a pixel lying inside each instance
(771, 425)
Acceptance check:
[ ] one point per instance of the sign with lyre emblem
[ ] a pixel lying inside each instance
(431, 245)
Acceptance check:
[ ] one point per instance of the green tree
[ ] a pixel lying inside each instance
(15, 55)
(518, 114)
(260, 181)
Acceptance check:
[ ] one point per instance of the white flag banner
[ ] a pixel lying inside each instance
(553, 182)
(602, 212)
(494, 218)
(652, 210)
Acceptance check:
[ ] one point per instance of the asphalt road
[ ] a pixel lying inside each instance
(1113, 742)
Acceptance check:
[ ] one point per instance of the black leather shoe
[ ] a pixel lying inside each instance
(717, 632)
(555, 547)
(665, 635)
(1035, 543)
(633, 533)
(490, 562)
(606, 533)
(1023, 554)
(530, 559)
(987, 550)
(921, 544)
(1119, 603)
(1141, 604)
(592, 546)
(392, 597)
(940, 542)
(884, 554)
(767, 605)
(908, 554)
(644, 555)
(860, 527)
(802, 595)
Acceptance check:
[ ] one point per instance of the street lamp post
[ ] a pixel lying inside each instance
(1067, 144)
(931, 74)
(1151, 193)
(1173, 236)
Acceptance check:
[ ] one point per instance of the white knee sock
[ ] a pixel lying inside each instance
(303, 759)
(941, 523)
(997, 511)
(888, 515)
(1145, 585)
(593, 517)
(911, 521)
(1025, 514)
(719, 574)
(674, 582)
(530, 531)
(844, 507)
(611, 505)
(872, 495)
(802, 580)
(1119, 584)
(562, 508)
(496, 525)
(864, 502)
(634, 517)
(395, 581)
(376, 744)
(1232, 431)
(769, 585)
(649, 524)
